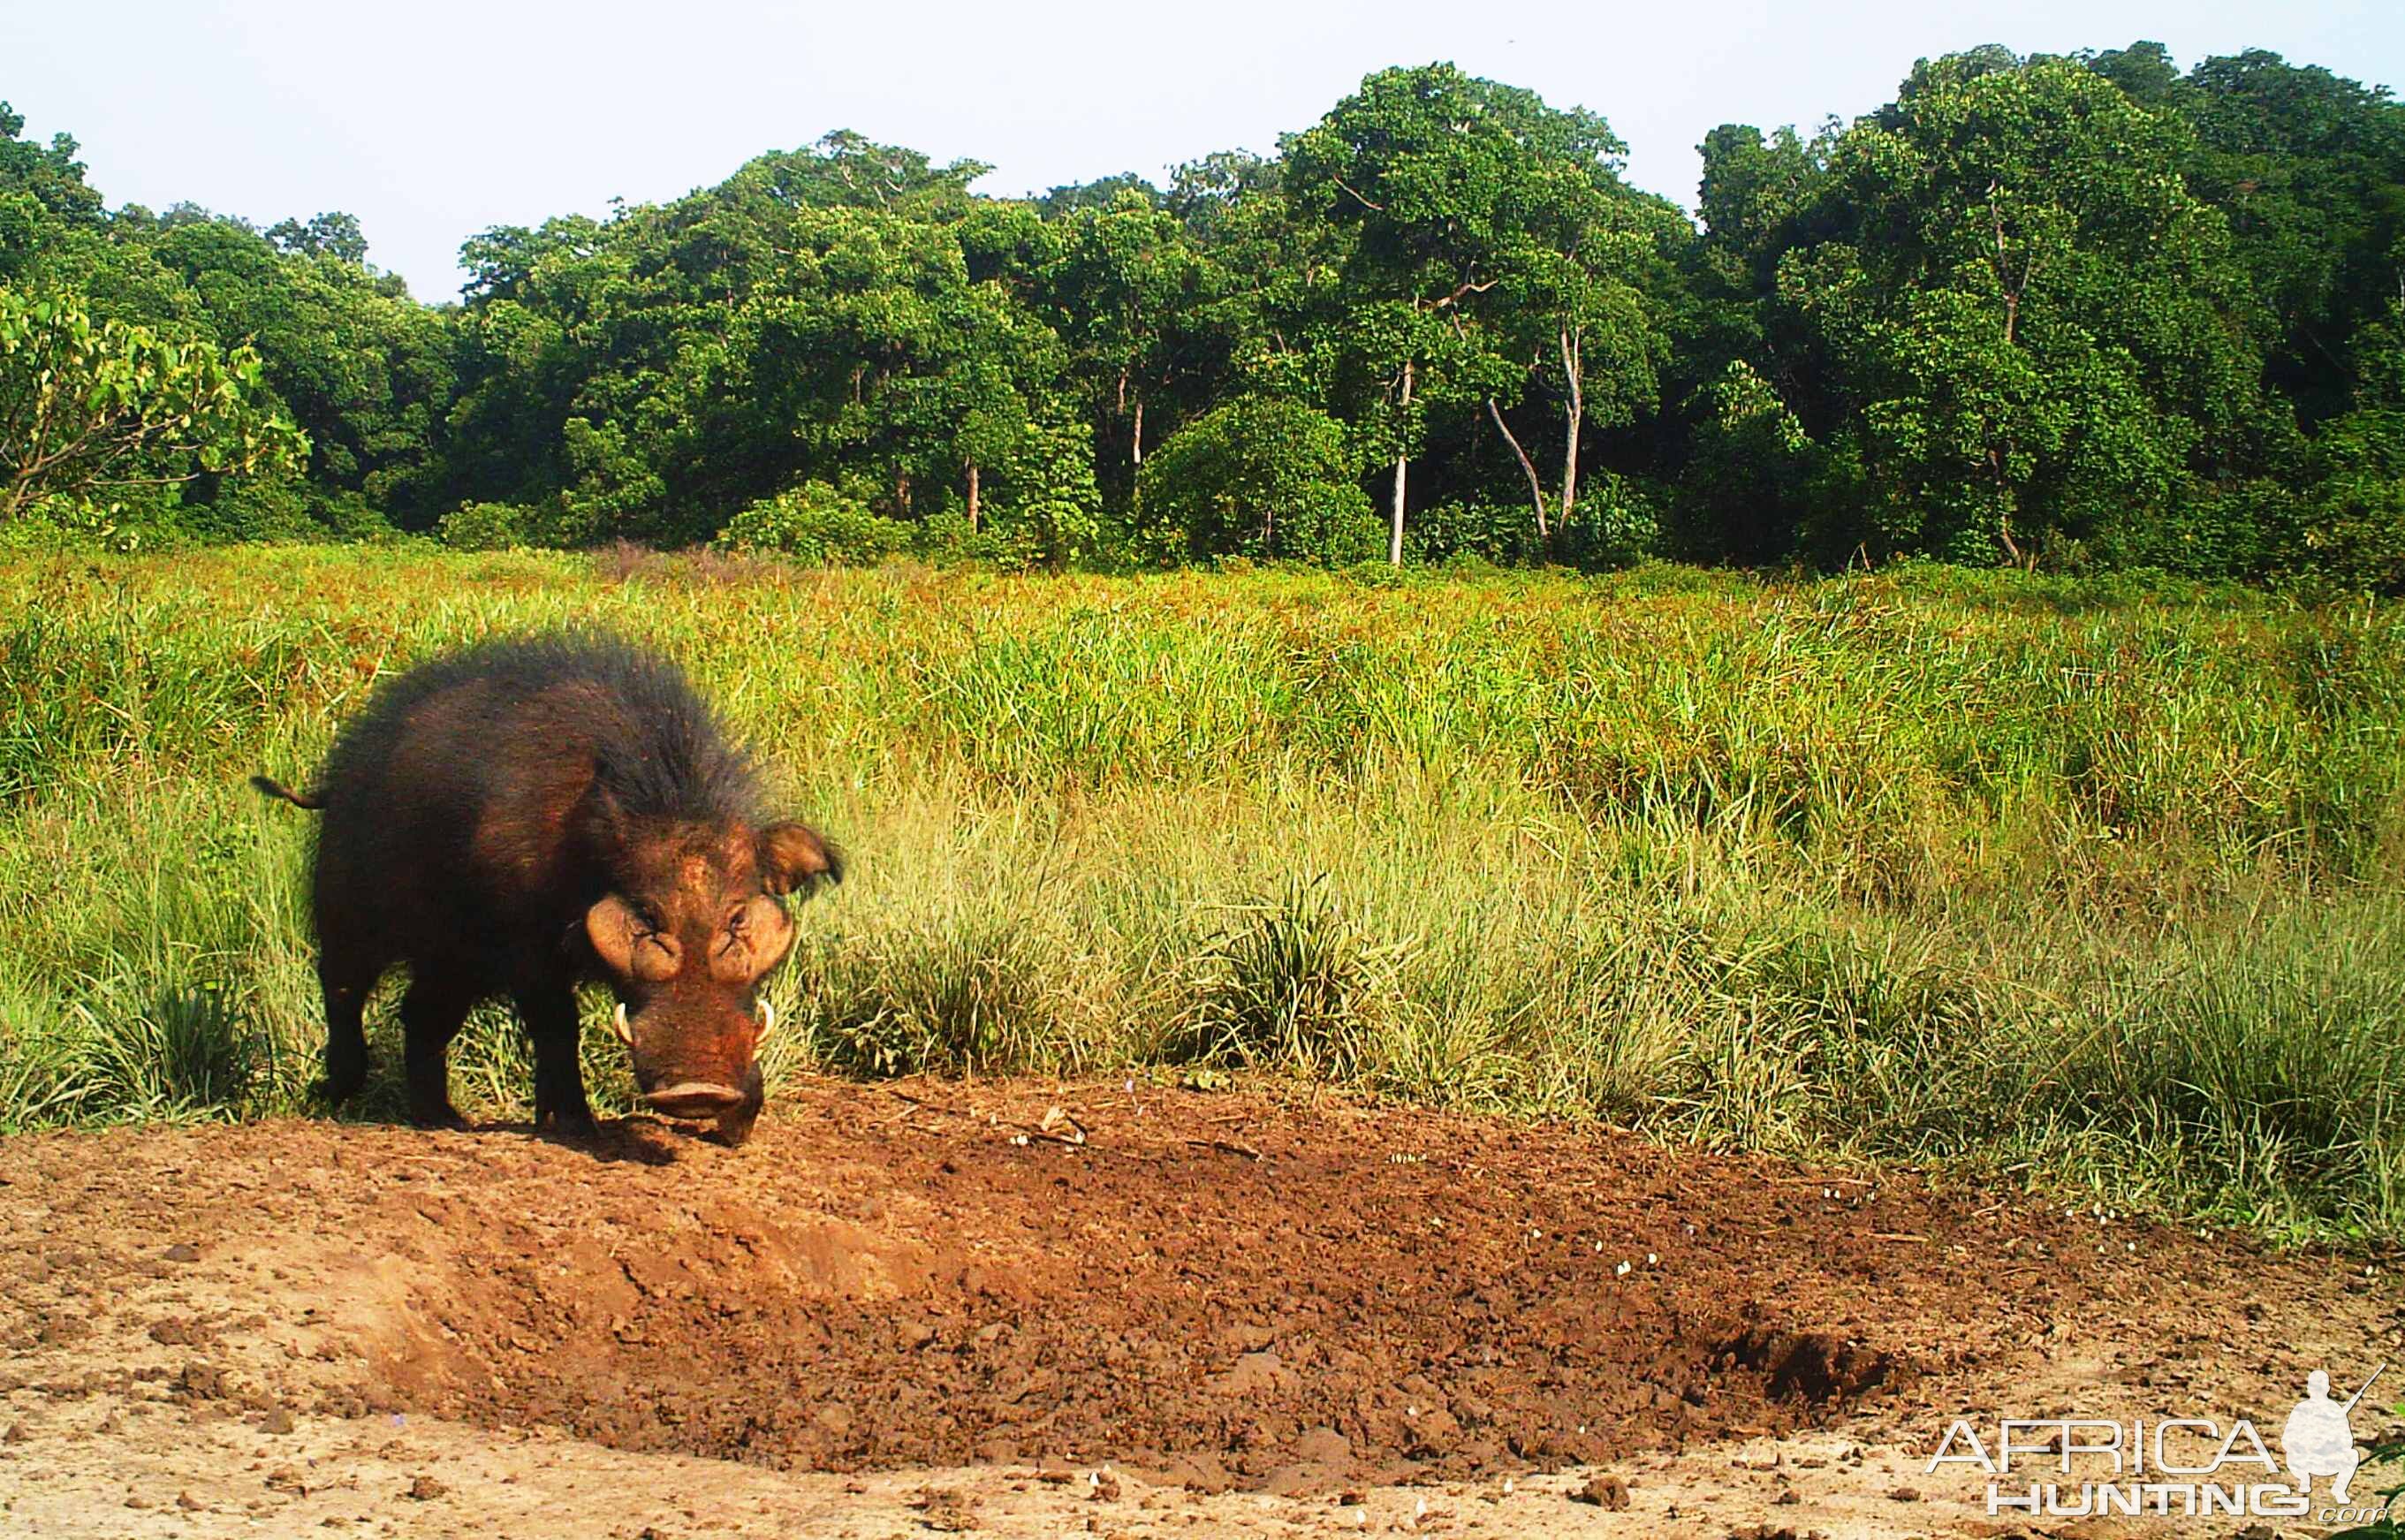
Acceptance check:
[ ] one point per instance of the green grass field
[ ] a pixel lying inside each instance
(2090, 885)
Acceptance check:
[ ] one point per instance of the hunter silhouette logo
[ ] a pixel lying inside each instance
(2194, 1466)
(2317, 1439)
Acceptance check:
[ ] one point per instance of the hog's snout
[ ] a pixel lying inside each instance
(694, 1098)
(698, 1076)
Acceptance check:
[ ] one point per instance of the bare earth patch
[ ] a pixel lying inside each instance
(950, 1306)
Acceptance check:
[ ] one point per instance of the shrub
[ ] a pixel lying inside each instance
(347, 516)
(1746, 488)
(1614, 525)
(1259, 477)
(486, 526)
(2353, 535)
(2208, 531)
(1494, 532)
(251, 507)
(816, 523)
(1051, 507)
(945, 538)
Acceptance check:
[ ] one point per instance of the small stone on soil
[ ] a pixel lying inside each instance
(945, 1508)
(1604, 1491)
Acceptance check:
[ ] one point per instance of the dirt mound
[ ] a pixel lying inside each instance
(1215, 1290)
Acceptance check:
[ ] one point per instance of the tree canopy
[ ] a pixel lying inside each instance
(2046, 310)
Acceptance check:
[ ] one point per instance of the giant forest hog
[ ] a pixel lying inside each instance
(532, 813)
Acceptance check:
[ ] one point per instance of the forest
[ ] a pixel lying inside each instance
(2078, 313)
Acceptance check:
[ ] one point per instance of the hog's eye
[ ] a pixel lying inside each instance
(736, 931)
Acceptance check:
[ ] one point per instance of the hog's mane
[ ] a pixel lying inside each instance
(659, 753)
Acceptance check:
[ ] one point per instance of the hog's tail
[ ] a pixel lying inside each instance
(278, 788)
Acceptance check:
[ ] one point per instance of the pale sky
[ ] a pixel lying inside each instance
(435, 120)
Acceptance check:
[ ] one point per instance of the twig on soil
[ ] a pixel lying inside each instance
(1230, 1146)
(1075, 1138)
(1056, 1115)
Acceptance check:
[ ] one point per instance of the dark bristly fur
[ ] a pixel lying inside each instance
(529, 813)
(660, 751)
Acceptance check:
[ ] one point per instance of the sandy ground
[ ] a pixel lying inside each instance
(1024, 1309)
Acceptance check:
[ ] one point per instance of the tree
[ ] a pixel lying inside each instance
(1456, 187)
(1426, 166)
(2308, 169)
(1126, 276)
(873, 345)
(1755, 192)
(1272, 275)
(1573, 300)
(336, 235)
(1747, 488)
(2088, 308)
(2037, 329)
(86, 408)
(849, 170)
(1258, 477)
(1100, 193)
(52, 178)
(2352, 530)
(365, 372)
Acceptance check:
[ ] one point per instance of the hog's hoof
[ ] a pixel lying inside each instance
(442, 1115)
(572, 1127)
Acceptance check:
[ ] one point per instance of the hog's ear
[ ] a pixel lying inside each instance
(631, 948)
(793, 858)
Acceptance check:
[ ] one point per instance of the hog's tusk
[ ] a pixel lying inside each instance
(626, 1033)
(767, 1017)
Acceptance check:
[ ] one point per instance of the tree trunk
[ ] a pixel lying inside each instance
(1138, 446)
(1571, 370)
(901, 492)
(2005, 511)
(1536, 484)
(973, 497)
(1402, 459)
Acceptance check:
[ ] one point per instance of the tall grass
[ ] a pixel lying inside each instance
(2093, 883)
